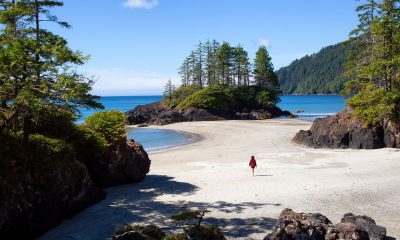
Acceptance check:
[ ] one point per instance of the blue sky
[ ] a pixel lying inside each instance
(136, 45)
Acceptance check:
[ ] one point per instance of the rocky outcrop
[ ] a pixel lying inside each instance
(33, 201)
(124, 163)
(39, 188)
(157, 114)
(343, 131)
(315, 226)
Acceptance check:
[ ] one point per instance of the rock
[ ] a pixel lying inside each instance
(366, 224)
(127, 162)
(343, 131)
(350, 231)
(156, 113)
(143, 125)
(34, 201)
(315, 226)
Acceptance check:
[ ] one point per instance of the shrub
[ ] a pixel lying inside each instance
(109, 125)
(210, 98)
(180, 95)
(266, 99)
(373, 104)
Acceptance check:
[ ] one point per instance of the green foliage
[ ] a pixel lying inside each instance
(216, 98)
(210, 98)
(37, 76)
(373, 63)
(180, 95)
(320, 73)
(373, 104)
(264, 74)
(109, 124)
(266, 98)
(169, 90)
(215, 64)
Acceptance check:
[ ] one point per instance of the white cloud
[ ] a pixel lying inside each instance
(263, 42)
(124, 82)
(147, 4)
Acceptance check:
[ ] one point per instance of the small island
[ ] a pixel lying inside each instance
(216, 85)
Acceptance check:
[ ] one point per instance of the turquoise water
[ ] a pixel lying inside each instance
(314, 106)
(155, 139)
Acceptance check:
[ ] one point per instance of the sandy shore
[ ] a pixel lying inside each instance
(214, 174)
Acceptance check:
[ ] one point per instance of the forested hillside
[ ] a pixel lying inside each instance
(320, 73)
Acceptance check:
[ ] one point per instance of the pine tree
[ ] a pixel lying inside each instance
(35, 64)
(225, 63)
(169, 90)
(264, 74)
(374, 67)
(241, 65)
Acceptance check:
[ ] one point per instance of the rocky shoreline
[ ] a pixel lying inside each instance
(343, 131)
(157, 114)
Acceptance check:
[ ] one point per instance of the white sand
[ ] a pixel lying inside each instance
(214, 174)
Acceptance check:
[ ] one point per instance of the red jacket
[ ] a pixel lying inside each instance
(252, 163)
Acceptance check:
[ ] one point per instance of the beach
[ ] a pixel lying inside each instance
(214, 174)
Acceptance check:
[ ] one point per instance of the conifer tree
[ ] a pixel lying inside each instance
(264, 74)
(169, 90)
(36, 68)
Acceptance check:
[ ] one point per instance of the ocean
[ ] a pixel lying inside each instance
(306, 107)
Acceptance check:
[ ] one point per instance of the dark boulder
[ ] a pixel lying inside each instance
(126, 162)
(366, 224)
(343, 131)
(157, 114)
(33, 201)
(315, 226)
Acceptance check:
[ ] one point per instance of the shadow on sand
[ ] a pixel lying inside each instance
(137, 203)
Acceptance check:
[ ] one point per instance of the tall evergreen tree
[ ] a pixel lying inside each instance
(169, 89)
(264, 74)
(374, 67)
(241, 65)
(36, 73)
(225, 63)
(199, 65)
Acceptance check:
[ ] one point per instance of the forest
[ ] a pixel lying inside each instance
(319, 73)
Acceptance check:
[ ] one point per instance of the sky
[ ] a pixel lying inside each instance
(137, 45)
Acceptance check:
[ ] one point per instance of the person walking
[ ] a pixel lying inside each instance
(253, 164)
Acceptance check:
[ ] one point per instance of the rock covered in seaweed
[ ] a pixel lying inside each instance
(343, 131)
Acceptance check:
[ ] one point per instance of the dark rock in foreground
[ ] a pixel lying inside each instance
(125, 163)
(157, 114)
(36, 200)
(343, 131)
(315, 226)
(37, 194)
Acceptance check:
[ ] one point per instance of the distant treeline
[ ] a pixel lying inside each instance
(320, 73)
